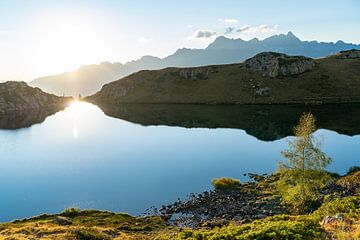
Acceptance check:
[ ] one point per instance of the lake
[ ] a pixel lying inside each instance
(138, 156)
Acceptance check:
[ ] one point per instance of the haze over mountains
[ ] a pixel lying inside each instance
(90, 78)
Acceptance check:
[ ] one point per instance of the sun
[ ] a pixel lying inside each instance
(64, 42)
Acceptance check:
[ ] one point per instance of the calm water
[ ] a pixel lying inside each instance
(81, 157)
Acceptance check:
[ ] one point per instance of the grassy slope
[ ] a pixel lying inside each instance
(97, 225)
(332, 80)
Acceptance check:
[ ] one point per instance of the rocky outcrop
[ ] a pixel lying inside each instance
(196, 73)
(349, 54)
(19, 97)
(276, 64)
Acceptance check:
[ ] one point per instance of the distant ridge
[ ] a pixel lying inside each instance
(90, 78)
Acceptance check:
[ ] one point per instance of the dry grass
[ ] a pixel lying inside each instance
(91, 225)
(332, 80)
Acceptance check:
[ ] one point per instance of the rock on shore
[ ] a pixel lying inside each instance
(19, 97)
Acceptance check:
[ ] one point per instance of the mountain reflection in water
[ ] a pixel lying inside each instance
(265, 122)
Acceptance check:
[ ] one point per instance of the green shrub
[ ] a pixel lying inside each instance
(272, 228)
(225, 183)
(88, 234)
(353, 169)
(349, 206)
(71, 212)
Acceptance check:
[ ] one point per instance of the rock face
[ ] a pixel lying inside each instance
(276, 64)
(196, 73)
(354, 53)
(19, 97)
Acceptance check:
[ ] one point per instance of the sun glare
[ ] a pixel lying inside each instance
(65, 42)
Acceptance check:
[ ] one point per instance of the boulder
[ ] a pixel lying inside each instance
(276, 64)
(63, 221)
(348, 54)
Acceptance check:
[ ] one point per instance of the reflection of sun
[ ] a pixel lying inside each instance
(75, 131)
(75, 109)
(78, 115)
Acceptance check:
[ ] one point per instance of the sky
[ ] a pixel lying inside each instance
(45, 37)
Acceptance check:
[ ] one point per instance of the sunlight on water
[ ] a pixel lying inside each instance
(75, 111)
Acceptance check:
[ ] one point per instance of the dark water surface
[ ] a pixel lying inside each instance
(148, 155)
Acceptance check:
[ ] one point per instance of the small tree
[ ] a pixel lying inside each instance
(303, 173)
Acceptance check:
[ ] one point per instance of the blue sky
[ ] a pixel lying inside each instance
(47, 37)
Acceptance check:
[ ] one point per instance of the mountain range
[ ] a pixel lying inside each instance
(89, 79)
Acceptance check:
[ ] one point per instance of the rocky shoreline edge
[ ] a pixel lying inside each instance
(256, 199)
(253, 210)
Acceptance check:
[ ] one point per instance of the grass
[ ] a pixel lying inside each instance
(97, 225)
(103, 225)
(225, 183)
(89, 234)
(87, 224)
(286, 226)
(71, 212)
(331, 81)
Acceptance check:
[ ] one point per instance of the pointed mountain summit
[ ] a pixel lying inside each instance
(282, 39)
(226, 43)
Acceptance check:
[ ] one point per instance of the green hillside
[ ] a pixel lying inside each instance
(268, 78)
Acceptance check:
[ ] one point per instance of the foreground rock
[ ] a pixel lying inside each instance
(18, 97)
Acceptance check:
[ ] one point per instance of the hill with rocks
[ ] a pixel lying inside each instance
(89, 79)
(18, 97)
(267, 78)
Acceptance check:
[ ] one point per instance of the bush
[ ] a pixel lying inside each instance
(88, 234)
(349, 206)
(353, 169)
(225, 183)
(302, 196)
(71, 212)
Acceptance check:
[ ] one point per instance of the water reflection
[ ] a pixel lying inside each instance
(24, 119)
(80, 157)
(265, 122)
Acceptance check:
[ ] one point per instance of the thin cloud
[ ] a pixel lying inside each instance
(243, 28)
(204, 34)
(264, 28)
(229, 30)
